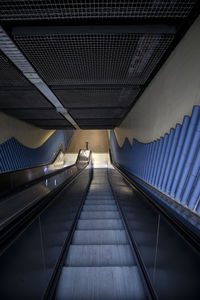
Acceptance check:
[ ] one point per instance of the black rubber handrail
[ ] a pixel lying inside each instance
(26, 184)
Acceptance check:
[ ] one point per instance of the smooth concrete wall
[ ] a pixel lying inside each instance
(28, 135)
(171, 94)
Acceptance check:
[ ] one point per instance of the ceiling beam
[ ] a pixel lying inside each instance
(9, 48)
(17, 88)
(103, 29)
(71, 107)
(96, 86)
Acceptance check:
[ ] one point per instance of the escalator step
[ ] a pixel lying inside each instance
(99, 255)
(113, 283)
(85, 215)
(90, 207)
(101, 188)
(101, 181)
(91, 201)
(103, 224)
(100, 193)
(99, 237)
(100, 197)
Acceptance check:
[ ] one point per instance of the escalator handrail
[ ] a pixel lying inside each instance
(17, 225)
(26, 184)
(52, 160)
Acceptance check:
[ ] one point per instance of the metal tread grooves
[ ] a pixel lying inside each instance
(100, 263)
(102, 237)
(108, 283)
(99, 256)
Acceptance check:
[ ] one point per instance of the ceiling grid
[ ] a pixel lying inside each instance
(56, 9)
(93, 58)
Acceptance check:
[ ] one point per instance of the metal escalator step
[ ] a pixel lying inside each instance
(98, 182)
(102, 187)
(99, 197)
(97, 283)
(85, 215)
(93, 201)
(96, 191)
(103, 224)
(99, 193)
(99, 237)
(91, 207)
(99, 255)
(101, 181)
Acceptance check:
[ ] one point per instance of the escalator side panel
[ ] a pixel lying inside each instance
(173, 265)
(27, 265)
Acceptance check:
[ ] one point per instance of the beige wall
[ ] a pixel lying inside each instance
(97, 141)
(28, 135)
(170, 95)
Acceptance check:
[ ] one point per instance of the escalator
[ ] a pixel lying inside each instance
(28, 197)
(100, 263)
(100, 238)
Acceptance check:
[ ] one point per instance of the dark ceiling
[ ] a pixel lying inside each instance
(96, 56)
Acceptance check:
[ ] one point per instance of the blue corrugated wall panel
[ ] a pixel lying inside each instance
(184, 149)
(166, 159)
(177, 153)
(14, 156)
(187, 159)
(165, 154)
(171, 163)
(195, 167)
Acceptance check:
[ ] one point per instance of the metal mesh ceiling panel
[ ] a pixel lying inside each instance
(9, 76)
(37, 114)
(97, 9)
(96, 71)
(51, 124)
(96, 97)
(63, 59)
(97, 113)
(98, 123)
(22, 99)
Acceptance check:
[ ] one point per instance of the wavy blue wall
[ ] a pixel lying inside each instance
(14, 155)
(170, 164)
